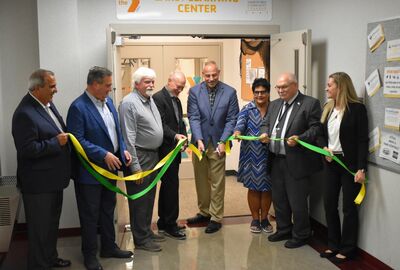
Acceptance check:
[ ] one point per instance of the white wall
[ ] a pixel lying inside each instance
(19, 57)
(339, 30)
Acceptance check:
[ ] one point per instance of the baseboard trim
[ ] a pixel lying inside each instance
(321, 233)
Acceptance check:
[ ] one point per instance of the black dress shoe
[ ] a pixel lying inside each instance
(175, 234)
(278, 236)
(61, 263)
(92, 264)
(213, 227)
(327, 255)
(198, 219)
(295, 243)
(116, 253)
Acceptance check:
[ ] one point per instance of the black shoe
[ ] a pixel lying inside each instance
(92, 264)
(162, 229)
(328, 255)
(213, 227)
(198, 219)
(278, 236)
(116, 253)
(338, 260)
(295, 243)
(61, 263)
(175, 234)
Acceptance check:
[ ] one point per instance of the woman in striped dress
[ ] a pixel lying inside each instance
(253, 171)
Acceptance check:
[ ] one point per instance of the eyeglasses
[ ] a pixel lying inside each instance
(261, 93)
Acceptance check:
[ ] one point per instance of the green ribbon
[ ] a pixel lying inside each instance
(104, 181)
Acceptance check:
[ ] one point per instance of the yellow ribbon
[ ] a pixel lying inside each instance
(133, 177)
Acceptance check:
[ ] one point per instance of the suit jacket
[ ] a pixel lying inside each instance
(353, 136)
(171, 125)
(304, 121)
(86, 123)
(216, 124)
(43, 165)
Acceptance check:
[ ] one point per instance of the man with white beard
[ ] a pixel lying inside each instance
(143, 133)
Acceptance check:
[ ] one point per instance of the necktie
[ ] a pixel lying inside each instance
(279, 126)
(54, 118)
(212, 98)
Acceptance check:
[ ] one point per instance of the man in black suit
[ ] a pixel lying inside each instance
(170, 109)
(43, 172)
(293, 116)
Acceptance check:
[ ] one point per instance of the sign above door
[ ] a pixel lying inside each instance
(194, 10)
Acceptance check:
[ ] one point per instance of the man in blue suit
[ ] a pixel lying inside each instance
(93, 120)
(44, 167)
(212, 112)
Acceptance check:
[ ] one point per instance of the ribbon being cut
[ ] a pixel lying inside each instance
(102, 175)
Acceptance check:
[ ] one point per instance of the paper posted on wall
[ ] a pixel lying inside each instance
(376, 38)
(390, 148)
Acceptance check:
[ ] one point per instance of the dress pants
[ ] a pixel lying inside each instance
(96, 205)
(42, 213)
(289, 196)
(336, 178)
(141, 209)
(209, 176)
(168, 199)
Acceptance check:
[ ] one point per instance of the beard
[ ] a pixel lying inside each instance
(149, 92)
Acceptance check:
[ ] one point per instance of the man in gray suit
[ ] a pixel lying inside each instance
(293, 116)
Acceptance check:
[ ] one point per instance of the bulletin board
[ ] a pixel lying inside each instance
(382, 98)
(254, 63)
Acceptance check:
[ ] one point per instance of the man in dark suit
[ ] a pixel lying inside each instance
(293, 116)
(212, 112)
(93, 120)
(44, 167)
(170, 109)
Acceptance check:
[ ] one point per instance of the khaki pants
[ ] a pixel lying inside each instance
(209, 176)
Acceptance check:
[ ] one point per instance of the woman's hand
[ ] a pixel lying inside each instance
(359, 177)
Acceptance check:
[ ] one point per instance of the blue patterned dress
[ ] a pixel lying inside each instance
(253, 154)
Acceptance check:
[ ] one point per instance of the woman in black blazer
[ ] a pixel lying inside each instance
(345, 135)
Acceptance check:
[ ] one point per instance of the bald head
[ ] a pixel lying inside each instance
(176, 82)
(287, 86)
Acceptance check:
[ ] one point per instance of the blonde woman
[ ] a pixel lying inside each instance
(345, 135)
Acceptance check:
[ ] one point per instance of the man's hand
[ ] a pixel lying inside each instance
(128, 158)
(62, 138)
(200, 146)
(292, 140)
(113, 163)
(264, 138)
(221, 149)
(140, 181)
(179, 137)
(329, 159)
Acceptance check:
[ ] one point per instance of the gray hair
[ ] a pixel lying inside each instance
(142, 72)
(97, 74)
(38, 77)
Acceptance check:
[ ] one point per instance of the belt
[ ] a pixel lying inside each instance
(280, 156)
(338, 153)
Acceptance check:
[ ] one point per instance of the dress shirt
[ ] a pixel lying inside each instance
(285, 117)
(334, 121)
(141, 125)
(108, 119)
(49, 111)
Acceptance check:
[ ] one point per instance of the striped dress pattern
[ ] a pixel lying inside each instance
(253, 154)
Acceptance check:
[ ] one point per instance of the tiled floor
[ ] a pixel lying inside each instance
(234, 247)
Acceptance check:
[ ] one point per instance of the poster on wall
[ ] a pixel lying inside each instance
(392, 118)
(391, 84)
(393, 50)
(199, 10)
(373, 83)
(390, 148)
(376, 37)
